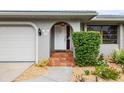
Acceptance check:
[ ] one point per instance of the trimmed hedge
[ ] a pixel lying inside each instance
(87, 46)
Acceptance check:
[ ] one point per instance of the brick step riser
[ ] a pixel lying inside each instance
(58, 62)
(61, 63)
(62, 55)
(64, 59)
(62, 52)
(71, 65)
(61, 59)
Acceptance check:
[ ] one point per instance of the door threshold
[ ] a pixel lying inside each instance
(61, 50)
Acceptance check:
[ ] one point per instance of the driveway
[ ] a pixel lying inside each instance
(55, 74)
(9, 71)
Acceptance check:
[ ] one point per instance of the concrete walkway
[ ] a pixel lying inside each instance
(9, 71)
(55, 74)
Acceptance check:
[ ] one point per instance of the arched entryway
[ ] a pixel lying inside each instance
(61, 53)
(60, 37)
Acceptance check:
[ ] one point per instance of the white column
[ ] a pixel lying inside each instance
(121, 36)
(85, 27)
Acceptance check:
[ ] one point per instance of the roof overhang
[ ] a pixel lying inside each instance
(82, 15)
(108, 18)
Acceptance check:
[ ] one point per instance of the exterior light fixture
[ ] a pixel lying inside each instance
(39, 32)
(43, 32)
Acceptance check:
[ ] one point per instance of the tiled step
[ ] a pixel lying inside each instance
(61, 59)
(61, 54)
(57, 62)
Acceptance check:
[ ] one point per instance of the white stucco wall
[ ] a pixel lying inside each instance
(107, 49)
(44, 39)
(122, 36)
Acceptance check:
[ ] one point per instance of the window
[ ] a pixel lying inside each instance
(108, 32)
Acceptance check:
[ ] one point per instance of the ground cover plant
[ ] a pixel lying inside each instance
(118, 56)
(107, 73)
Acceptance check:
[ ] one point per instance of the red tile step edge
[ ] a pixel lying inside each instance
(61, 59)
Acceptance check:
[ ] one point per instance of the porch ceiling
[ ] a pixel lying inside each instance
(81, 15)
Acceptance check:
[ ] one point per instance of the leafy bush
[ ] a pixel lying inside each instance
(42, 62)
(100, 61)
(118, 56)
(107, 73)
(87, 46)
(87, 72)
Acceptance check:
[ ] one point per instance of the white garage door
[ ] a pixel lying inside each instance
(17, 43)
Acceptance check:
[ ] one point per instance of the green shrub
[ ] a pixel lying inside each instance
(87, 72)
(42, 62)
(87, 46)
(101, 63)
(107, 73)
(118, 56)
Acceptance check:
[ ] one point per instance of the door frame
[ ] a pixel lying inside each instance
(52, 35)
(19, 23)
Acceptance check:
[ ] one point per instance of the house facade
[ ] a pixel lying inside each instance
(33, 35)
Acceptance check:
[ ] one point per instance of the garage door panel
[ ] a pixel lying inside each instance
(17, 43)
